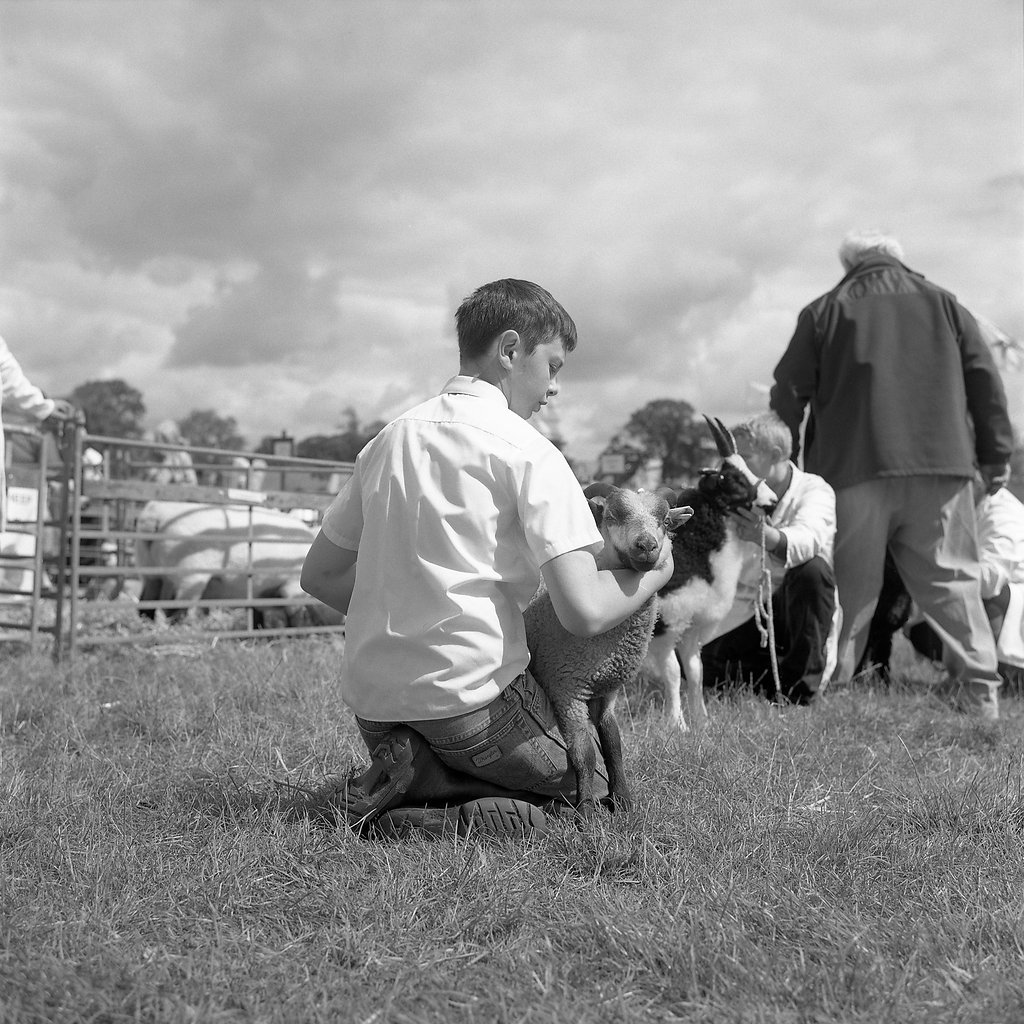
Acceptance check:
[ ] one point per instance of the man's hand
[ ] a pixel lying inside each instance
(63, 412)
(996, 476)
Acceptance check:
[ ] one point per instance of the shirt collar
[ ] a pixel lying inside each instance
(463, 385)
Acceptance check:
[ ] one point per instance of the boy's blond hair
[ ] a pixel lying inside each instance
(766, 434)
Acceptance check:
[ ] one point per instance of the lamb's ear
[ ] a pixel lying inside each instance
(599, 489)
(597, 504)
(678, 516)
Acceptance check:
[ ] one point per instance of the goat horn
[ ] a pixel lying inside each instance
(728, 434)
(723, 439)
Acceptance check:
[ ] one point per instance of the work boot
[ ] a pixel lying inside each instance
(360, 798)
(492, 817)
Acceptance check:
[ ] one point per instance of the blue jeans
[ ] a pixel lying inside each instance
(513, 742)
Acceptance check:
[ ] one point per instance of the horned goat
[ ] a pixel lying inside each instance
(583, 677)
(707, 559)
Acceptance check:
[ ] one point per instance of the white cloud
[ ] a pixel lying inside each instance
(273, 208)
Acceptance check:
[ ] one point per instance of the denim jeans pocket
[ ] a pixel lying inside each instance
(507, 746)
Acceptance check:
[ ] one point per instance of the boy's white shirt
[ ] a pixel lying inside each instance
(806, 516)
(453, 507)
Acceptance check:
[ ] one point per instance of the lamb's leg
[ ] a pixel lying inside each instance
(662, 654)
(611, 747)
(574, 721)
(689, 657)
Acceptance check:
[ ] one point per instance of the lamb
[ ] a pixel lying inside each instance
(583, 677)
(707, 561)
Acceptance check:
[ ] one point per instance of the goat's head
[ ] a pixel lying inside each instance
(634, 523)
(733, 485)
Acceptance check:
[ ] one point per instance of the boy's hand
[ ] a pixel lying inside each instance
(749, 524)
(665, 555)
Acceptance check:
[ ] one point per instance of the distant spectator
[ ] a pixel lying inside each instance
(20, 394)
(905, 399)
(175, 463)
(92, 464)
(1001, 557)
(245, 473)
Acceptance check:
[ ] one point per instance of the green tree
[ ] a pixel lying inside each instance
(112, 408)
(203, 428)
(341, 447)
(669, 430)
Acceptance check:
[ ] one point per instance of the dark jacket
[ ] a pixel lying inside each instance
(899, 380)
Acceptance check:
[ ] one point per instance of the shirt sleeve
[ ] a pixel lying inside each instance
(556, 516)
(342, 523)
(1000, 542)
(796, 377)
(18, 391)
(810, 528)
(986, 396)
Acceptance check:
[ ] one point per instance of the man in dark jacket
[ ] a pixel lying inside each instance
(905, 402)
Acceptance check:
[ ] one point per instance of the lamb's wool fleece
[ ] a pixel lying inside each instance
(577, 669)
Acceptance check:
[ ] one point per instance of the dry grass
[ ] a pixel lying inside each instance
(858, 861)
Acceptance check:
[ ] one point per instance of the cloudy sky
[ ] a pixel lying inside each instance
(272, 209)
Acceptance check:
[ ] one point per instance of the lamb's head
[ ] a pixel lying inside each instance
(732, 485)
(634, 524)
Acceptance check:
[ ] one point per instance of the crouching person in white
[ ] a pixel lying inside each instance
(798, 537)
(1000, 523)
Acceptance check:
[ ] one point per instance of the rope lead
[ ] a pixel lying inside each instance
(764, 615)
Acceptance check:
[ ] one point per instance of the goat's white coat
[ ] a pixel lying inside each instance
(692, 611)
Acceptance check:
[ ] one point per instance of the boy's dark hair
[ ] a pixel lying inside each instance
(511, 305)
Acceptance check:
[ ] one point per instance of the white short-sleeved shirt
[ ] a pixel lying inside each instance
(806, 514)
(453, 508)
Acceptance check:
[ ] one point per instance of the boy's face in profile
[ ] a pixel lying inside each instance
(533, 377)
(758, 462)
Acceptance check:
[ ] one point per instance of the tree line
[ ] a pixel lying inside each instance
(666, 429)
(114, 408)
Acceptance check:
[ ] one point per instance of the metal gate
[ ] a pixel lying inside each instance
(86, 586)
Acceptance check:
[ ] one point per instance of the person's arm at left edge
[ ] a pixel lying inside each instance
(329, 573)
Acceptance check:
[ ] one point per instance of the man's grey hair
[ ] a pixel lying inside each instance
(858, 245)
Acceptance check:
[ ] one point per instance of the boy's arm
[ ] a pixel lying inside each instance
(589, 601)
(329, 573)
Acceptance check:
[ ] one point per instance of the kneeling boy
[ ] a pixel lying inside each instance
(433, 549)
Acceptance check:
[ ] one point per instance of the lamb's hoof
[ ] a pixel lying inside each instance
(675, 720)
(621, 803)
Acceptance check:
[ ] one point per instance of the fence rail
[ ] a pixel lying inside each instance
(68, 555)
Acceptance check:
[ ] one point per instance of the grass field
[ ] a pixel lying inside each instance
(861, 860)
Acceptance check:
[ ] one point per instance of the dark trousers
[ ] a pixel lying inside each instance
(802, 609)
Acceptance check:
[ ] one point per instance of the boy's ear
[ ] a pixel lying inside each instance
(508, 347)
